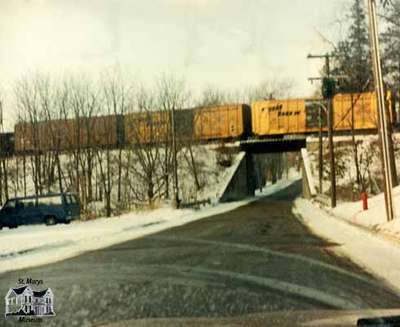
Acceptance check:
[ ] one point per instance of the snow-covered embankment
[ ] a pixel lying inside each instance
(29, 246)
(372, 252)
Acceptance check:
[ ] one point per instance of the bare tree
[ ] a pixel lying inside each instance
(212, 96)
(171, 97)
(27, 100)
(116, 99)
(3, 160)
(146, 131)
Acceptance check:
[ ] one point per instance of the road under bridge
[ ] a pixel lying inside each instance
(273, 145)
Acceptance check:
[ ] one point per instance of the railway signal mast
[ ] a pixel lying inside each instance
(383, 128)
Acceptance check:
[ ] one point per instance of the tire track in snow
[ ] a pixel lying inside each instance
(274, 284)
(252, 248)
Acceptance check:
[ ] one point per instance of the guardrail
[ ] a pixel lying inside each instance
(195, 204)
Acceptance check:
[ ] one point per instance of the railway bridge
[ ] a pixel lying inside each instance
(246, 178)
(287, 143)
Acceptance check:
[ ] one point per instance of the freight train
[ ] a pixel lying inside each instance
(269, 118)
(301, 116)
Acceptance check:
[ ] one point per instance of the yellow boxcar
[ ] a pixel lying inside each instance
(279, 117)
(221, 122)
(363, 106)
(146, 127)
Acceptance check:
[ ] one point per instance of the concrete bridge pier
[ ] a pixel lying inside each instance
(243, 182)
(253, 174)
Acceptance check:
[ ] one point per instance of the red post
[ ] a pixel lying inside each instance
(364, 199)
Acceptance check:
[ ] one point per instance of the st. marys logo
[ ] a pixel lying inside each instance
(26, 302)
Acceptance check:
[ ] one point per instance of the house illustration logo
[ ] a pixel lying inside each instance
(24, 301)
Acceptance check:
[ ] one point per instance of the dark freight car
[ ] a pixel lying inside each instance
(7, 144)
(101, 131)
(154, 127)
(39, 136)
(184, 124)
(69, 134)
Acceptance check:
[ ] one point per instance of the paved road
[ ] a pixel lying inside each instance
(257, 259)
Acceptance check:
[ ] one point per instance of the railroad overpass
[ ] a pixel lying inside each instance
(288, 143)
(246, 178)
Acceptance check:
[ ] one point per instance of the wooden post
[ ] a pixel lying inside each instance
(331, 154)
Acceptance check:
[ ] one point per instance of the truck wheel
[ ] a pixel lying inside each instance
(50, 220)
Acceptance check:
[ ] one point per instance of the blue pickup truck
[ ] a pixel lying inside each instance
(49, 209)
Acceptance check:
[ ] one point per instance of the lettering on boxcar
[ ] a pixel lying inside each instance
(275, 108)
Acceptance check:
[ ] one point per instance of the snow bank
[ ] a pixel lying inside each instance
(29, 246)
(379, 256)
(373, 218)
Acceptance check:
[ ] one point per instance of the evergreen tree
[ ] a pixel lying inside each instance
(391, 43)
(353, 61)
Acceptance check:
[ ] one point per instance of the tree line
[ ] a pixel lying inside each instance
(140, 173)
(352, 53)
(352, 67)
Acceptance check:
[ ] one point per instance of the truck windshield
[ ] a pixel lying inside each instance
(70, 199)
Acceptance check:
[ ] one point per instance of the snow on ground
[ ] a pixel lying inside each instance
(29, 246)
(209, 172)
(212, 176)
(292, 177)
(369, 163)
(373, 218)
(375, 254)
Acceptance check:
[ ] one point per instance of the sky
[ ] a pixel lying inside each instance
(219, 43)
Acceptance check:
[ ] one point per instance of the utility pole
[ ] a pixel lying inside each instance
(1, 152)
(322, 108)
(320, 151)
(331, 153)
(174, 160)
(328, 90)
(383, 128)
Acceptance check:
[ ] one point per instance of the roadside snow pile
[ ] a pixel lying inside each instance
(375, 254)
(29, 246)
(373, 218)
